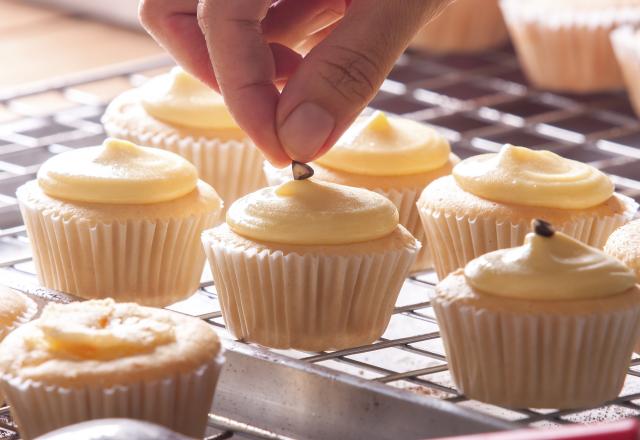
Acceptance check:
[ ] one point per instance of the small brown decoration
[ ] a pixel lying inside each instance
(301, 171)
(543, 228)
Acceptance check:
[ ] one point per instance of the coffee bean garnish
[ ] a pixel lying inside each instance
(301, 171)
(543, 228)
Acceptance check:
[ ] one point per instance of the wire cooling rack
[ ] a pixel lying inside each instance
(478, 102)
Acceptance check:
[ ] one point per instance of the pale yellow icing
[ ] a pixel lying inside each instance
(522, 176)
(117, 172)
(179, 98)
(102, 329)
(313, 213)
(381, 145)
(549, 268)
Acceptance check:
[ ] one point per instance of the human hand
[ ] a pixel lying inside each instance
(246, 49)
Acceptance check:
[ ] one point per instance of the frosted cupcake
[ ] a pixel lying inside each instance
(99, 359)
(178, 113)
(550, 324)
(120, 221)
(460, 28)
(309, 265)
(564, 45)
(393, 156)
(626, 45)
(624, 244)
(15, 310)
(489, 201)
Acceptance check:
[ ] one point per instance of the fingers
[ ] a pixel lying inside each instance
(343, 73)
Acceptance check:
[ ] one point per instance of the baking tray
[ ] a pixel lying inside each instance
(398, 387)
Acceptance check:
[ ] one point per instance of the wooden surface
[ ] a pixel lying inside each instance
(37, 44)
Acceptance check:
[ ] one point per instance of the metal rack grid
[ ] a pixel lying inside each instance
(478, 102)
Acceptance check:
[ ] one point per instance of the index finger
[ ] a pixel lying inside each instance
(244, 67)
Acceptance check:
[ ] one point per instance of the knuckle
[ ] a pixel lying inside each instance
(351, 73)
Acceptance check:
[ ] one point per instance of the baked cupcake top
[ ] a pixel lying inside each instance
(527, 177)
(624, 244)
(310, 212)
(117, 172)
(15, 308)
(549, 266)
(100, 342)
(381, 145)
(180, 99)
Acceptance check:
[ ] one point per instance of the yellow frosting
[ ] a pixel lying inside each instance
(522, 176)
(312, 213)
(102, 329)
(117, 172)
(381, 145)
(549, 268)
(179, 98)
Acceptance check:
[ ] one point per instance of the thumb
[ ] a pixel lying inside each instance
(341, 75)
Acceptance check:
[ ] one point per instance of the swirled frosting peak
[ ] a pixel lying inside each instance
(311, 212)
(533, 178)
(102, 329)
(179, 98)
(549, 266)
(118, 172)
(381, 145)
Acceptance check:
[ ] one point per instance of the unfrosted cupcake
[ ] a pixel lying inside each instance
(462, 28)
(178, 113)
(564, 45)
(15, 310)
(100, 359)
(309, 265)
(119, 221)
(391, 155)
(626, 45)
(550, 324)
(624, 244)
(489, 202)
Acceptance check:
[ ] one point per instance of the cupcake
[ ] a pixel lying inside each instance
(101, 359)
(626, 45)
(113, 429)
(624, 244)
(393, 156)
(120, 221)
(309, 265)
(461, 29)
(15, 310)
(564, 45)
(489, 201)
(178, 113)
(549, 324)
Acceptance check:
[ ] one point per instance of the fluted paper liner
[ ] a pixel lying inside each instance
(309, 302)
(537, 360)
(405, 201)
(627, 51)
(180, 402)
(151, 262)
(454, 240)
(568, 51)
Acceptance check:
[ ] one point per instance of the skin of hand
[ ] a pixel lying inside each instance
(293, 107)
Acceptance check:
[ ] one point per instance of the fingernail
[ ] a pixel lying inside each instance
(305, 131)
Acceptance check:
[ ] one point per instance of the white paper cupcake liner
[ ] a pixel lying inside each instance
(461, 29)
(404, 199)
(567, 50)
(309, 302)
(537, 360)
(153, 263)
(180, 402)
(454, 240)
(626, 45)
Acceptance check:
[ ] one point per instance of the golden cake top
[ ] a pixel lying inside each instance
(179, 98)
(14, 307)
(117, 172)
(381, 145)
(312, 212)
(624, 244)
(549, 266)
(522, 176)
